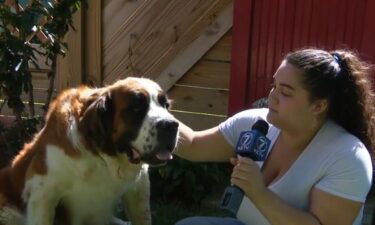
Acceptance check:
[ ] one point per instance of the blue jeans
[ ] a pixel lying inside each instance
(207, 220)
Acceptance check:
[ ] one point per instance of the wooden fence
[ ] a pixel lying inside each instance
(183, 45)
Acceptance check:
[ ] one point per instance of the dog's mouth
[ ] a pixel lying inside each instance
(158, 151)
(156, 158)
(133, 156)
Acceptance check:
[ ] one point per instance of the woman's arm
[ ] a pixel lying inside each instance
(325, 208)
(206, 145)
(331, 209)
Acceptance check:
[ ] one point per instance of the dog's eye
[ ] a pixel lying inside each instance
(167, 105)
(163, 101)
(138, 103)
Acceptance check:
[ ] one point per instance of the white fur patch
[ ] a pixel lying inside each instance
(73, 134)
(147, 137)
(89, 186)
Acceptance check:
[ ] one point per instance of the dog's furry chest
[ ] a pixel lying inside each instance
(89, 186)
(88, 199)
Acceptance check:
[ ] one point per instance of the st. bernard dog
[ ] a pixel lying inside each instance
(93, 151)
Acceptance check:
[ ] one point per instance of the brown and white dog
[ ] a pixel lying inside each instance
(94, 150)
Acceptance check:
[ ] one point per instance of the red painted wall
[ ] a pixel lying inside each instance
(265, 30)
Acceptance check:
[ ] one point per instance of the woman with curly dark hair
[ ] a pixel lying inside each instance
(345, 84)
(322, 131)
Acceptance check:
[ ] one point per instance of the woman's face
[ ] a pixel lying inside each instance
(289, 104)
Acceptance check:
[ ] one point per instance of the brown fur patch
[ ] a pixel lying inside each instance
(31, 159)
(115, 112)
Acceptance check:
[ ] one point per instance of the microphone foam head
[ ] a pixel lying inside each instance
(261, 126)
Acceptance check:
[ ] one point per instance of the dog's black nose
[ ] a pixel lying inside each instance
(166, 134)
(167, 125)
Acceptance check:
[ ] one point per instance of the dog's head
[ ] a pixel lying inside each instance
(131, 116)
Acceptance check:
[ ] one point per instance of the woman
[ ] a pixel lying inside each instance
(318, 171)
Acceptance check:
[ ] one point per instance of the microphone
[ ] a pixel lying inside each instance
(252, 144)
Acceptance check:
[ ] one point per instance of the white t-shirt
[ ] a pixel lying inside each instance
(334, 161)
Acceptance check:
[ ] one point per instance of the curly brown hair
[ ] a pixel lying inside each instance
(345, 80)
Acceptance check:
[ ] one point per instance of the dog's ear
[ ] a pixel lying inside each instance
(105, 110)
(96, 123)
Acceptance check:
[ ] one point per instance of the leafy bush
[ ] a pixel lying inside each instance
(187, 182)
(36, 27)
(13, 138)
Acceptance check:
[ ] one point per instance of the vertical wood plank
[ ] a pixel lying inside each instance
(240, 53)
(255, 49)
(70, 69)
(368, 37)
(93, 44)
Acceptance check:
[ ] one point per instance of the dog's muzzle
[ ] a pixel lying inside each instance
(167, 133)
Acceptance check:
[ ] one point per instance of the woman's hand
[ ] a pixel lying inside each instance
(246, 175)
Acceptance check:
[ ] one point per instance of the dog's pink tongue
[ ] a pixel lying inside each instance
(165, 155)
(136, 155)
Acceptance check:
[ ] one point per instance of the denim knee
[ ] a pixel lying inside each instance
(191, 221)
(206, 220)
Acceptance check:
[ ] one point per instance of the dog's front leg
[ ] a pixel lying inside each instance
(137, 201)
(41, 202)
